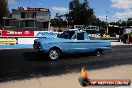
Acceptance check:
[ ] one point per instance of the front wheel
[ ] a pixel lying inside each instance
(98, 52)
(54, 54)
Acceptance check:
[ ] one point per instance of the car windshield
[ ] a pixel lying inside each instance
(66, 34)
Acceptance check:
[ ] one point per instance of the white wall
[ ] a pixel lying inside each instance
(26, 40)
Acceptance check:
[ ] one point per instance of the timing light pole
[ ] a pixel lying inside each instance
(107, 22)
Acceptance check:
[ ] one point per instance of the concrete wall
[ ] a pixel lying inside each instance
(40, 15)
(26, 40)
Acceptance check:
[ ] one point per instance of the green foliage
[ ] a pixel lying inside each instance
(58, 22)
(59, 30)
(80, 13)
(98, 22)
(124, 23)
(130, 34)
(3, 10)
(127, 23)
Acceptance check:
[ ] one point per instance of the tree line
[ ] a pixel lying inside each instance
(80, 13)
(127, 23)
(4, 12)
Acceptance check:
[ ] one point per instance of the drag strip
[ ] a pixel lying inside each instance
(18, 64)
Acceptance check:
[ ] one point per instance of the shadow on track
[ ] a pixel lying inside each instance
(34, 56)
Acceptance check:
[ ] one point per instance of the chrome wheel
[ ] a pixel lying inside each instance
(98, 52)
(54, 54)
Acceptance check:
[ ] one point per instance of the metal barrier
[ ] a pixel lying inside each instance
(8, 41)
(23, 37)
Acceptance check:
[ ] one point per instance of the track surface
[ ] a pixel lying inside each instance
(21, 64)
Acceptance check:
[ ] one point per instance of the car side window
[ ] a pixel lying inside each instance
(74, 37)
(80, 36)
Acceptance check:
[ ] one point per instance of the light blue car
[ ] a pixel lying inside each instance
(69, 42)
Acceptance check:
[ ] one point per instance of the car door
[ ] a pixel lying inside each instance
(79, 44)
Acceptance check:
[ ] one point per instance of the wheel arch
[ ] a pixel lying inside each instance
(99, 49)
(56, 47)
(98, 52)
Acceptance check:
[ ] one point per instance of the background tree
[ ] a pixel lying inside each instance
(74, 7)
(4, 12)
(123, 23)
(80, 13)
(129, 22)
(59, 21)
(113, 23)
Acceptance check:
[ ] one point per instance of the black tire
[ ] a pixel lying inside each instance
(54, 54)
(98, 52)
(85, 82)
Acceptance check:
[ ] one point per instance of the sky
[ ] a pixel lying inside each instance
(115, 10)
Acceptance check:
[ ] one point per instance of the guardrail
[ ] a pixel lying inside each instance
(27, 37)
(23, 37)
(8, 41)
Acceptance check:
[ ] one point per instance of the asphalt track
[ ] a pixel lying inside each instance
(18, 64)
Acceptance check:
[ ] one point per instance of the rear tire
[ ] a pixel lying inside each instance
(54, 54)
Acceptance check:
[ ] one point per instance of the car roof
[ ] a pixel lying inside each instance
(78, 30)
(73, 29)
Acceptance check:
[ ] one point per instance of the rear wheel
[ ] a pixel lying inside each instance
(98, 52)
(54, 54)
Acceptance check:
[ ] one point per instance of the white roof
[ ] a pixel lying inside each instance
(73, 29)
